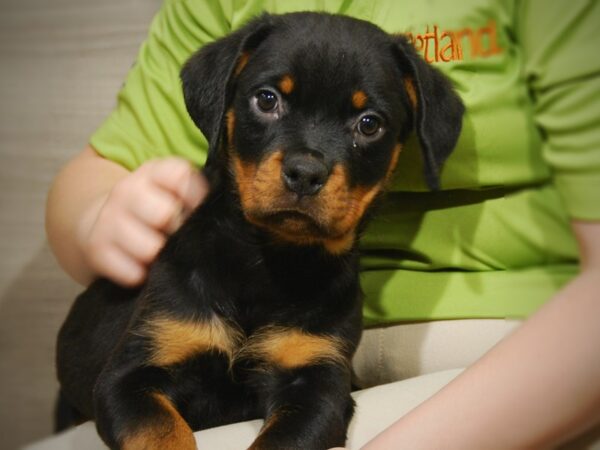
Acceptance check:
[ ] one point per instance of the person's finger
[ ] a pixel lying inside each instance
(116, 265)
(139, 241)
(196, 190)
(179, 177)
(155, 207)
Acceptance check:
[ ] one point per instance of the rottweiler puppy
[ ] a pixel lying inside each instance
(253, 308)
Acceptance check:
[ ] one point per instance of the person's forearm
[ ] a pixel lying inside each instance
(77, 191)
(533, 390)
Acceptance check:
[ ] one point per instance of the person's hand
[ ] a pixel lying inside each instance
(122, 232)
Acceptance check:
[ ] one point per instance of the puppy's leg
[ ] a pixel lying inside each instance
(307, 408)
(134, 413)
(161, 360)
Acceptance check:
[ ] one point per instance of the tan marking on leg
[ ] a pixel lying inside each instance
(173, 341)
(270, 422)
(290, 348)
(170, 432)
(359, 99)
(286, 84)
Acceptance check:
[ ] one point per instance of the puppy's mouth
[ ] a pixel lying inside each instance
(291, 222)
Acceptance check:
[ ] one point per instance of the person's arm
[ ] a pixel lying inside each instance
(102, 219)
(535, 389)
(111, 207)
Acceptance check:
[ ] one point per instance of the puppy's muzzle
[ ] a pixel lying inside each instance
(304, 175)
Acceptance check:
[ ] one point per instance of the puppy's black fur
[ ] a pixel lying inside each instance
(253, 308)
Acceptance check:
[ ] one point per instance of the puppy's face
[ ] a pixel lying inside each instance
(314, 116)
(314, 132)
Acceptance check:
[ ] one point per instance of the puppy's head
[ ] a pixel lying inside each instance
(308, 113)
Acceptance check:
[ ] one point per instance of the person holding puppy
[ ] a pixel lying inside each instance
(514, 232)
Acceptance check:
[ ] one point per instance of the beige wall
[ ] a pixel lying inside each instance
(61, 64)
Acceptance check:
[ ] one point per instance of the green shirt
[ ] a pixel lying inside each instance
(496, 241)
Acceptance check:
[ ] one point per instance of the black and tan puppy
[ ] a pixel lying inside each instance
(253, 308)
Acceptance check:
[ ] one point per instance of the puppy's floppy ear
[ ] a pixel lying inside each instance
(439, 110)
(208, 78)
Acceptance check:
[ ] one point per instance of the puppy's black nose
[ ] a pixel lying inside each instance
(304, 175)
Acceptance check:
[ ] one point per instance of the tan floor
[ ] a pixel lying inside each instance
(61, 63)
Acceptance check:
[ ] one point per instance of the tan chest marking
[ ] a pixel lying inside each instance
(173, 341)
(290, 348)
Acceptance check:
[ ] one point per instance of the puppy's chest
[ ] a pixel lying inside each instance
(272, 309)
(228, 291)
(255, 283)
(272, 290)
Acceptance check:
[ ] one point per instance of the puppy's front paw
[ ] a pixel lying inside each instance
(154, 425)
(157, 439)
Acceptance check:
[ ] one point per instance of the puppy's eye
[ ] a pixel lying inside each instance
(266, 101)
(369, 125)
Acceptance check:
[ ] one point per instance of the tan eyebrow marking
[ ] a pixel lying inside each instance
(286, 84)
(359, 99)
